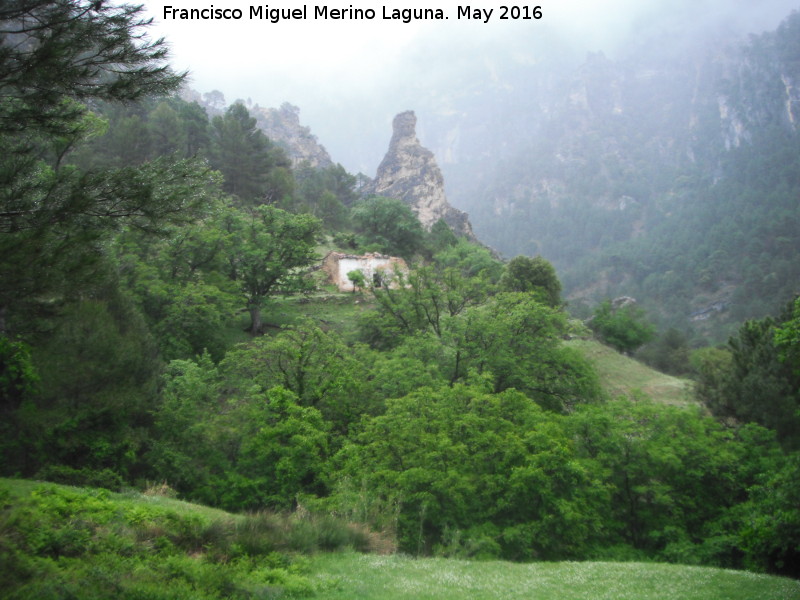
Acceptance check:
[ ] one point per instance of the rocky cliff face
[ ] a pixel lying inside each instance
(282, 125)
(617, 144)
(409, 172)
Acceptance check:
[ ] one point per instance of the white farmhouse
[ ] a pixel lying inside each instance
(378, 269)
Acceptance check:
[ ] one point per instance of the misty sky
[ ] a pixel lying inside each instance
(331, 67)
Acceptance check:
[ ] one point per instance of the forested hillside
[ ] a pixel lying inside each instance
(163, 318)
(668, 173)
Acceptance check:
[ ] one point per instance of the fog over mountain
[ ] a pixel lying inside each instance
(350, 78)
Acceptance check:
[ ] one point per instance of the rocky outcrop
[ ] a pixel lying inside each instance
(282, 126)
(409, 172)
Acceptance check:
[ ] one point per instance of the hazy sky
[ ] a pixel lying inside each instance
(263, 60)
(326, 67)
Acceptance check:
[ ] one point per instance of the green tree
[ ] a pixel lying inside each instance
(98, 383)
(185, 450)
(429, 296)
(668, 353)
(469, 260)
(18, 384)
(166, 133)
(518, 343)
(623, 328)
(787, 336)
(144, 130)
(17, 374)
(494, 471)
(313, 364)
(755, 384)
(389, 225)
(511, 340)
(441, 237)
(180, 284)
(54, 217)
(123, 139)
(256, 448)
(254, 168)
(195, 127)
(536, 275)
(56, 220)
(769, 521)
(287, 454)
(413, 365)
(325, 193)
(673, 474)
(357, 278)
(267, 251)
(74, 49)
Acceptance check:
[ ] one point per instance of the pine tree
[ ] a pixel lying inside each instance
(55, 58)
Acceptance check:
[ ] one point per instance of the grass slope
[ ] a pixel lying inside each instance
(621, 375)
(366, 577)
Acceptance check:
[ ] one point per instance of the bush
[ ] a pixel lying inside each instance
(60, 542)
(623, 328)
(103, 478)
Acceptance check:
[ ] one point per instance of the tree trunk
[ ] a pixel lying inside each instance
(255, 319)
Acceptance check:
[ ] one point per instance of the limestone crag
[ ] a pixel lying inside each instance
(282, 125)
(409, 172)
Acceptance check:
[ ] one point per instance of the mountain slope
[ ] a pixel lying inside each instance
(669, 173)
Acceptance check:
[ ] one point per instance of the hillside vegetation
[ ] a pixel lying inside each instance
(164, 318)
(66, 542)
(666, 171)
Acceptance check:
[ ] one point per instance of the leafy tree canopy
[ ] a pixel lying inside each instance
(54, 51)
(267, 250)
(389, 225)
(55, 57)
(495, 467)
(623, 328)
(314, 365)
(787, 337)
(537, 275)
(752, 381)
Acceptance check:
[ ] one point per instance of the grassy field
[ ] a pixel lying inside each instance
(623, 376)
(366, 577)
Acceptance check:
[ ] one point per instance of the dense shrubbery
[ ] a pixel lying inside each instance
(63, 542)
